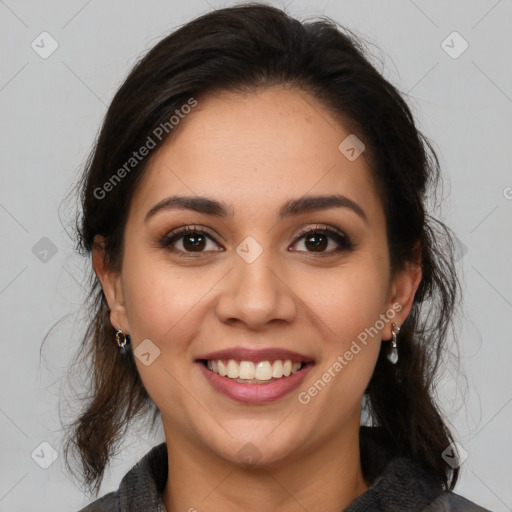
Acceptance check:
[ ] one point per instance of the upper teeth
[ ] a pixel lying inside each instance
(263, 370)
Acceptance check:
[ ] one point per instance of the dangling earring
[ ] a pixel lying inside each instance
(122, 339)
(393, 352)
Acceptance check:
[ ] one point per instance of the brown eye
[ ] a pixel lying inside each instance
(194, 242)
(318, 240)
(188, 240)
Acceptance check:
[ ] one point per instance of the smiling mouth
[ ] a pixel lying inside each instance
(248, 372)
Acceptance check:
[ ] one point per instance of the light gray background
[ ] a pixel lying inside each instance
(51, 110)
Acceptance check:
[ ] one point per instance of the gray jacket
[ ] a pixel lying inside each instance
(396, 484)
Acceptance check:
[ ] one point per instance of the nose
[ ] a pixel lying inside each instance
(255, 294)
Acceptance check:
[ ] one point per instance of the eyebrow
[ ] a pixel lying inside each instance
(291, 208)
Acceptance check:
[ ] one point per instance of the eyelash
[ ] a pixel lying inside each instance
(344, 242)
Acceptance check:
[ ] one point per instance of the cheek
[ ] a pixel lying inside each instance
(167, 306)
(348, 304)
(347, 300)
(161, 300)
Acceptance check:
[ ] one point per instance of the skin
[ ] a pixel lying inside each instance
(254, 152)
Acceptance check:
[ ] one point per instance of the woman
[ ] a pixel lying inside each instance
(254, 207)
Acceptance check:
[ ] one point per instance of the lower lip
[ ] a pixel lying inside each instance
(255, 393)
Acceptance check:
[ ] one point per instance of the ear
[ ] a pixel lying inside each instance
(111, 284)
(403, 288)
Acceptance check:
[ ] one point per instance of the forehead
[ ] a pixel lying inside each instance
(254, 151)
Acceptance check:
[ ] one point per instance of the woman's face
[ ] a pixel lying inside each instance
(251, 284)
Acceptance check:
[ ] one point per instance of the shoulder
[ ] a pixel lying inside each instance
(401, 483)
(140, 488)
(451, 502)
(108, 503)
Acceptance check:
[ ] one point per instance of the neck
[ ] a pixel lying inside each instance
(200, 480)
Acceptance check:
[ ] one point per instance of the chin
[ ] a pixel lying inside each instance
(258, 450)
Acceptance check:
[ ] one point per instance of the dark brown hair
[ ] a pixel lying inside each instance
(242, 49)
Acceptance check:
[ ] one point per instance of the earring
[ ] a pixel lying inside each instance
(393, 352)
(122, 339)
